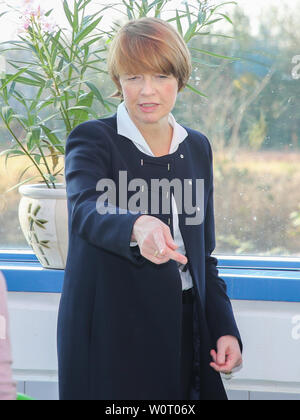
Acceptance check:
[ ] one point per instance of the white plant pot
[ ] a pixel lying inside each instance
(43, 216)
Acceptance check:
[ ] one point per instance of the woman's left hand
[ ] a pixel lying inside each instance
(229, 354)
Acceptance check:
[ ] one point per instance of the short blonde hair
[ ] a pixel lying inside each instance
(148, 45)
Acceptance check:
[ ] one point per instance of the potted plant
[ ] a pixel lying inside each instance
(43, 98)
(51, 91)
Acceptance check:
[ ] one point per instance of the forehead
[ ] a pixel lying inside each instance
(144, 65)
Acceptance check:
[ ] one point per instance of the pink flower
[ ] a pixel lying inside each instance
(26, 25)
(34, 11)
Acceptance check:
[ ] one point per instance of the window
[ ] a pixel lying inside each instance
(250, 116)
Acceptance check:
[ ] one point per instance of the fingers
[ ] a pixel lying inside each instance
(220, 360)
(224, 363)
(159, 242)
(167, 254)
(176, 256)
(167, 248)
(155, 241)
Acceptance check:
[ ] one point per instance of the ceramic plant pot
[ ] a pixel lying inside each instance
(43, 217)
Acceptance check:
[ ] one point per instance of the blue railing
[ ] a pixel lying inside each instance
(247, 278)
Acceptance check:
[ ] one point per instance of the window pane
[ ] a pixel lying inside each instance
(251, 117)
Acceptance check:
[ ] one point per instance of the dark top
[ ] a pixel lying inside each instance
(119, 327)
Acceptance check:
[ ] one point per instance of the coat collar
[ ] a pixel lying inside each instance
(127, 128)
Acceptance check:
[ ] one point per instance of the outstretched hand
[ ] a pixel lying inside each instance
(153, 235)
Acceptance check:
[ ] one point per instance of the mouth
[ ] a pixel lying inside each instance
(147, 107)
(148, 103)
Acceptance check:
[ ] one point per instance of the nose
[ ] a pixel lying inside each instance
(148, 86)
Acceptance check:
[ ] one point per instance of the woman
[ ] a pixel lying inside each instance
(7, 386)
(143, 313)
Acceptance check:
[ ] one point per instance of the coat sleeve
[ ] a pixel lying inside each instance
(219, 311)
(87, 161)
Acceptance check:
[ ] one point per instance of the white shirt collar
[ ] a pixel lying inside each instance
(127, 128)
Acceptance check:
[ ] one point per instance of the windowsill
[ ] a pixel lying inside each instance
(247, 278)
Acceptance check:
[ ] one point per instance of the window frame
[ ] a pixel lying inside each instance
(246, 277)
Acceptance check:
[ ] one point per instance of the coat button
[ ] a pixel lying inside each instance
(181, 156)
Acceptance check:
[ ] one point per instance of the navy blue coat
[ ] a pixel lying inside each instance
(119, 325)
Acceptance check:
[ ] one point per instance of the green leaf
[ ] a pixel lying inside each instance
(196, 90)
(33, 137)
(83, 108)
(21, 183)
(40, 225)
(36, 100)
(92, 41)
(226, 17)
(81, 111)
(29, 82)
(68, 12)
(13, 77)
(214, 54)
(212, 21)
(86, 31)
(37, 158)
(222, 4)
(83, 5)
(75, 17)
(43, 221)
(24, 171)
(37, 209)
(191, 31)
(7, 114)
(9, 152)
(95, 91)
(220, 35)
(56, 43)
(179, 27)
(98, 94)
(204, 63)
(188, 13)
(201, 17)
(47, 14)
(53, 139)
(129, 11)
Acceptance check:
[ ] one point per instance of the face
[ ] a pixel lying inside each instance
(157, 89)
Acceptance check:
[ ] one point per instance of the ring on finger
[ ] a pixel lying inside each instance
(229, 375)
